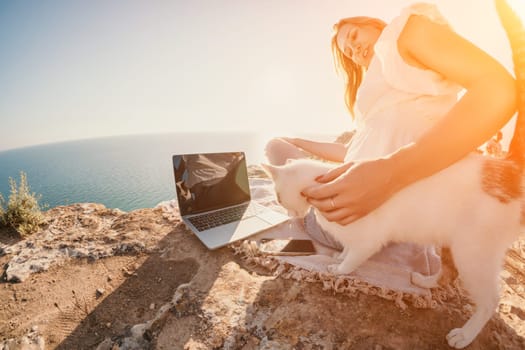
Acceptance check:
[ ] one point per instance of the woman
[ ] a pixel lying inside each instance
(403, 81)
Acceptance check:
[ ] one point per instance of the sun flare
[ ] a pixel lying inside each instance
(519, 8)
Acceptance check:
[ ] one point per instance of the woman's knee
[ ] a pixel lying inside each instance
(277, 151)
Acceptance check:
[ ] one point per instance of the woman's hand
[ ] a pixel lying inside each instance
(352, 190)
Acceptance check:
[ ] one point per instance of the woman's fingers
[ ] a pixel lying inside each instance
(335, 208)
(330, 184)
(320, 195)
(334, 173)
(326, 204)
(358, 190)
(342, 216)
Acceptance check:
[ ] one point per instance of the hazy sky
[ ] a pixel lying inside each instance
(82, 69)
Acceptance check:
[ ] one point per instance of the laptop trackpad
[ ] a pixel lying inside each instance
(273, 217)
(247, 227)
(225, 234)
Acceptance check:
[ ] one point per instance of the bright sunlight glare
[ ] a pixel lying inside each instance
(519, 8)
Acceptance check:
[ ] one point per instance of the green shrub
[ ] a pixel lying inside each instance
(22, 211)
(2, 210)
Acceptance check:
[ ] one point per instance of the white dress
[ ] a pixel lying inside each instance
(397, 102)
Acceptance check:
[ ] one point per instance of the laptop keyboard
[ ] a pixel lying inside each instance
(224, 216)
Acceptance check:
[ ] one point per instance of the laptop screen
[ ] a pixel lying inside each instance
(209, 181)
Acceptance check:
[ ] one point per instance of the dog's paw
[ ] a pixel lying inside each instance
(334, 269)
(340, 255)
(423, 281)
(338, 269)
(458, 338)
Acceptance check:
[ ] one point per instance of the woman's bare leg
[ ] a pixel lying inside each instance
(278, 150)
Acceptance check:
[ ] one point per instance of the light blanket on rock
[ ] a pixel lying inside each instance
(392, 270)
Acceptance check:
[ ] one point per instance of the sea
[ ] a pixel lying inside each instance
(124, 172)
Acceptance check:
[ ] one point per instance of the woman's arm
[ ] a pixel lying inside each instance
(489, 102)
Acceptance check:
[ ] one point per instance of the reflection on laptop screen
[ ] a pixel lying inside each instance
(210, 181)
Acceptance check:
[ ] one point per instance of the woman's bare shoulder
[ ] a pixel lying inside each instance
(416, 35)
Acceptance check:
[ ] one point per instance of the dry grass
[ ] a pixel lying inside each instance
(22, 210)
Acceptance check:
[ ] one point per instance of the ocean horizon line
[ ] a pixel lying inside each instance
(124, 171)
(264, 134)
(94, 138)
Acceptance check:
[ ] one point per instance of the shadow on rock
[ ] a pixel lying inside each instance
(289, 314)
(8, 236)
(135, 301)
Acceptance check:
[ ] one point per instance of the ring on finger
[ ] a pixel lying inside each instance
(332, 202)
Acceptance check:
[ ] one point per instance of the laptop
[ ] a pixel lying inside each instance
(214, 198)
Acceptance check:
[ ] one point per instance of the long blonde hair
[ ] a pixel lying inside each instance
(353, 72)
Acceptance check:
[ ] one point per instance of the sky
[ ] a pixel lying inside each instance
(84, 69)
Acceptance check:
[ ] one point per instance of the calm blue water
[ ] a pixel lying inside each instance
(125, 172)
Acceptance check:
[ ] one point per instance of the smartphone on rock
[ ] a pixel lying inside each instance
(292, 247)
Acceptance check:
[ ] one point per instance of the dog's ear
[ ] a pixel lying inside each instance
(270, 170)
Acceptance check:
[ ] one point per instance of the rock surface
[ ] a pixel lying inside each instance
(97, 278)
